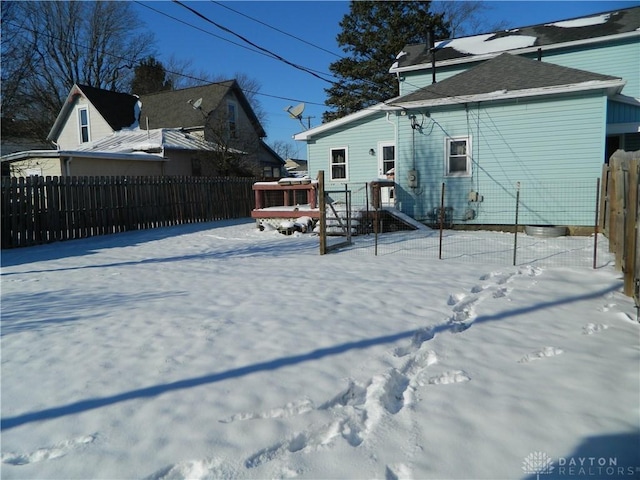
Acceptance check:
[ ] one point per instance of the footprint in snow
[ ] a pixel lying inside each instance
(398, 471)
(607, 307)
(543, 353)
(452, 376)
(419, 337)
(195, 469)
(591, 328)
(289, 410)
(48, 453)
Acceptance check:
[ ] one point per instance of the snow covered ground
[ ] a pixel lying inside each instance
(219, 351)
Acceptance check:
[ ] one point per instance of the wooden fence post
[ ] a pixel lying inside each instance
(322, 206)
(631, 226)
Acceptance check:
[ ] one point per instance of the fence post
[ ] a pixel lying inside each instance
(515, 236)
(441, 221)
(630, 228)
(595, 225)
(322, 206)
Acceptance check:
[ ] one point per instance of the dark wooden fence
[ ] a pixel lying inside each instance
(620, 216)
(39, 210)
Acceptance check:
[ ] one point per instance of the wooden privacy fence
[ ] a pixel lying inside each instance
(39, 210)
(620, 216)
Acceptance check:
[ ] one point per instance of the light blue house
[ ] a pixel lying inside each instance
(538, 109)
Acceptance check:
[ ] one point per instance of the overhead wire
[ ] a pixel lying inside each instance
(277, 29)
(255, 45)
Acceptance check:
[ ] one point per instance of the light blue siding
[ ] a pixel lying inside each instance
(619, 59)
(537, 142)
(358, 137)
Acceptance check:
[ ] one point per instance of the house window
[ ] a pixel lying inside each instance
(388, 160)
(232, 118)
(83, 121)
(338, 164)
(458, 156)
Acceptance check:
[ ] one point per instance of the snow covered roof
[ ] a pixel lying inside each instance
(140, 144)
(508, 76)
(593, 28)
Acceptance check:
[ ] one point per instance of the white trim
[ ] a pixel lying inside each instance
(79, 109)
(380, 155)
(447, 141)
(622, 128)
(346, 164)
(520, 51)
(365, 112)
(27, 154)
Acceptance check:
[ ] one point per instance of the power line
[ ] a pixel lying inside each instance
(176, 19)
(277, 29)
(244, 39)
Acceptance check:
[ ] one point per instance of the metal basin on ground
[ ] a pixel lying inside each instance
(546, 230)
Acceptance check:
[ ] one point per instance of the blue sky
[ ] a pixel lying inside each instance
(315, 22)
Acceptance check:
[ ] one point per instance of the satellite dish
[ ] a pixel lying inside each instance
(295, 112)
(196, 104)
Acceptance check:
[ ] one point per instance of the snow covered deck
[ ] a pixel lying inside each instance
(282, 199)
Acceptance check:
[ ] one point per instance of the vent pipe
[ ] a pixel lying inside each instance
(432, 50)
(539, 54)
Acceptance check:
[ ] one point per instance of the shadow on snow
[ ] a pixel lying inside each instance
(153, 391)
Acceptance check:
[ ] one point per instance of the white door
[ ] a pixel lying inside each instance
(387, 171)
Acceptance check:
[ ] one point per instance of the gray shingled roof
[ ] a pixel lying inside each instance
(170, 109)
(538, 36)
(504, 72)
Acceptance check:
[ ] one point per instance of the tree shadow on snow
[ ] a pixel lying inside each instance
(156, 390)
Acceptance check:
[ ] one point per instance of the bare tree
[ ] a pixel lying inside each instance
(284, 149)
(92, 43)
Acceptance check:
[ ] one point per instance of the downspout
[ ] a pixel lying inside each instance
(67, 166)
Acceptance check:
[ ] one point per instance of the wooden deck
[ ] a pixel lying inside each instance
(286, 198)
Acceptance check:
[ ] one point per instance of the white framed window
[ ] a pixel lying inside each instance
(386, 160)
(83, 124)
(457, 156)
(232, 119)
(338, 163)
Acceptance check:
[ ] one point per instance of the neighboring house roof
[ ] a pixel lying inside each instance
(19, 144)
(508, 76)
(578, 31)
(273, 156)
(140, 144)
(172, 108)
(294, 164)
(118, 109)
(505, 76)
